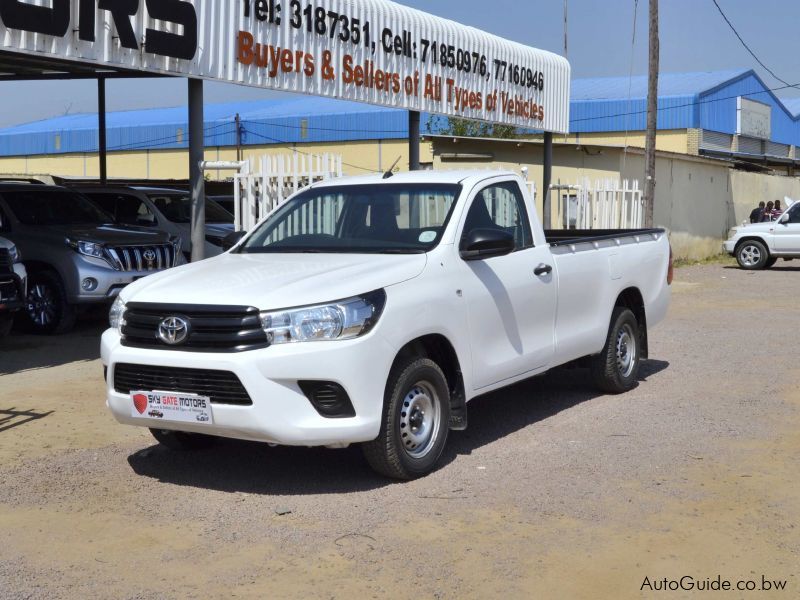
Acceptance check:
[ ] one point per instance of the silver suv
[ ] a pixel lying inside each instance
(73, 254)
(161, 208)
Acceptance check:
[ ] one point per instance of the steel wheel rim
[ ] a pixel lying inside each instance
(420, 419)
(626, 350)
(42, 304)
(750, 255)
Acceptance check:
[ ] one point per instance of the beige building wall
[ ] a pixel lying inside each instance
(359, 157)
(751, 188)
(668, 140)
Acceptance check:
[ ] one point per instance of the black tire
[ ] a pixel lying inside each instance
(409, 445)
(770, 262)
(752, 255)
(6, 322)
(46, 305)
(181, 440)
(616, 369)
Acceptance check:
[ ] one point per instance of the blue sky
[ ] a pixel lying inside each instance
(693, 38)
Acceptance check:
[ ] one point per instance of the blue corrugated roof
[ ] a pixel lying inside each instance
(307, 119)
(704, 100)
(669, 84)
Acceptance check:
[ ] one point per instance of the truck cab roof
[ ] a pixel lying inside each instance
(451, 177)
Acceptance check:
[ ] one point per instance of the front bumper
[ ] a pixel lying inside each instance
(110, 282)
(280, 413)
(729, 247)
(13, 288)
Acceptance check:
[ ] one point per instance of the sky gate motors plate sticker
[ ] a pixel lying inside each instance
(171, 406)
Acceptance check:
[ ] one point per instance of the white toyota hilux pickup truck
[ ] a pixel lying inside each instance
(760, 245)
(371, 310)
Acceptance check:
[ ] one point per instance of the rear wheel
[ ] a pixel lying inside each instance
(416, 415)
(46, 306)
(752, 255)
(181, 440)
(616, 368)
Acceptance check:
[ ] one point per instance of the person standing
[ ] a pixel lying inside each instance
(777, 211)
(757, 213)
(767, 215)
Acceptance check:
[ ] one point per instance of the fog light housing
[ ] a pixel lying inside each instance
(329, 399)
(89, 284)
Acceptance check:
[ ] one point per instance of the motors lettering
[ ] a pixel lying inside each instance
(55, 20)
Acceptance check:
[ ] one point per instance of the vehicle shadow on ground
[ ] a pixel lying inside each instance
(777, 267)
(236, 466)
(24, 352)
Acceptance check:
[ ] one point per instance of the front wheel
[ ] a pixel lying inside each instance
(416, 417)
(616, 369)
(752, 255)
(770, 262)
(46, 306)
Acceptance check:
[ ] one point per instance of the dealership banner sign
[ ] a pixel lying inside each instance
(373, 51)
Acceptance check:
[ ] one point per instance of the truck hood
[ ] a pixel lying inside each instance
(273, 281)
(756, 227)
(122, 235)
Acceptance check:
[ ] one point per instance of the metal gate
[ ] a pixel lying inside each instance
(606, 204)
(256, 194)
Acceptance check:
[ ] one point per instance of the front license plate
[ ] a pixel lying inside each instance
(171, 406)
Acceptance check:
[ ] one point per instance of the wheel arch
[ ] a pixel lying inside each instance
(631, 298)
(440, 350)
(752, 238)
(37, 266)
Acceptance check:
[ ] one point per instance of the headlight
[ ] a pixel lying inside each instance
(16, 255)
(343, 320)
(732, 233)
(87, 248)
(116, 315)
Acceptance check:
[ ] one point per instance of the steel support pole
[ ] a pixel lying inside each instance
(196, 181)
(101, 128)
(413, 140)
(547, 177)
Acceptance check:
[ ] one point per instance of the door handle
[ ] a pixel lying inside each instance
(542, 270)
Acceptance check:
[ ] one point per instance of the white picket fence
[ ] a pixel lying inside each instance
(602, 204)
(264, 184)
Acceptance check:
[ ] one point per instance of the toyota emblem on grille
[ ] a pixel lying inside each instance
(173, 330)
(150, 256)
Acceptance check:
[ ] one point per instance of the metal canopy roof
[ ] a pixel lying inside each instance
(15, 66)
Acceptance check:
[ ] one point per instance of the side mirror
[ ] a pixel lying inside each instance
(233, 238)
(784, 218)
(480, 244)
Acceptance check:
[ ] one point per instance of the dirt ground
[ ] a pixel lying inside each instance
(554, 491)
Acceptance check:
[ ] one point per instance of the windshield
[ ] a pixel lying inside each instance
(54, 207)
(177, 208)
(384, 218)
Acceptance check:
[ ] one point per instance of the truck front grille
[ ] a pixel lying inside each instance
(210, 328)
(223, 387)
(143, 258)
